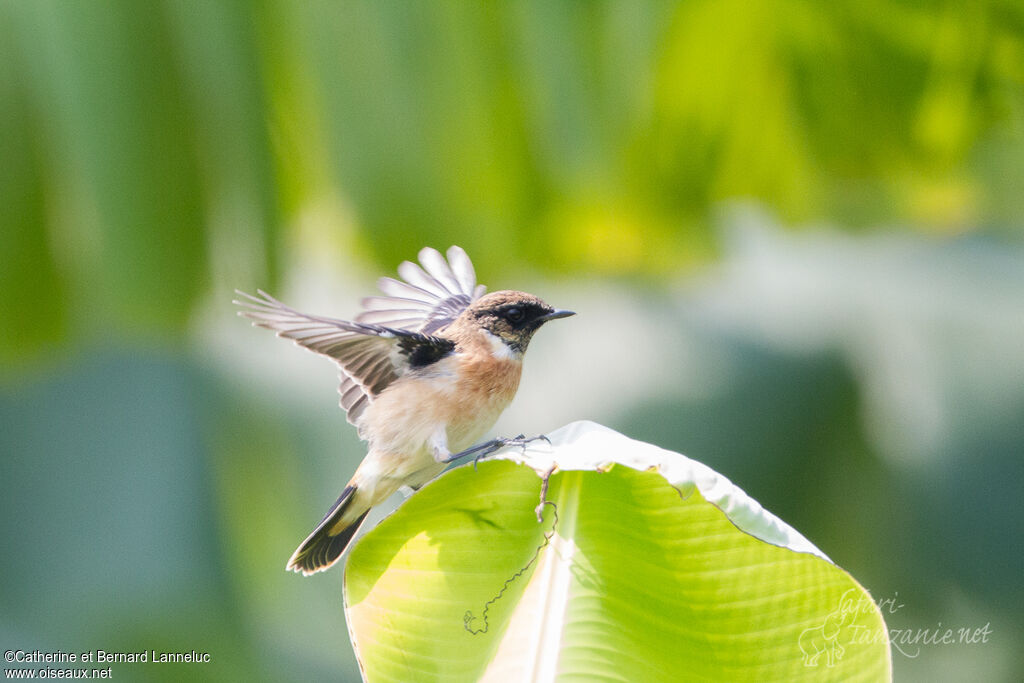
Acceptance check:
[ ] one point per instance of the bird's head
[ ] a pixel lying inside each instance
(512, 317)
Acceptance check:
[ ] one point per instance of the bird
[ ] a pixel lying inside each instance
(425, 371)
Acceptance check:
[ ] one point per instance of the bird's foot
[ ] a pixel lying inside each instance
(523, 440)
(489, 447)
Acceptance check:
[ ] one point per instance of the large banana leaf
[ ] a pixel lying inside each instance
(645, 566)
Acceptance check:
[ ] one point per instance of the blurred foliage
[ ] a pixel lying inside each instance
(142, 149)
(153, 158)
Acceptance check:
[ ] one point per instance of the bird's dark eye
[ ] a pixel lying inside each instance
(514, 314)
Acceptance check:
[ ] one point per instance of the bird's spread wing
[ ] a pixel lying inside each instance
(393, 334)
(428, 297)
(370, 356)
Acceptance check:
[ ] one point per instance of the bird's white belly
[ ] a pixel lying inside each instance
(404, 420)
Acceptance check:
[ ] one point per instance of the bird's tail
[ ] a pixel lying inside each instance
(327, 543)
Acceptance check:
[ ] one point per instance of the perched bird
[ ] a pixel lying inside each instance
(425, 372)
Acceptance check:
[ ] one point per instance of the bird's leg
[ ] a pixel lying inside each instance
(488, 447)
(483, 449)
(437, 444)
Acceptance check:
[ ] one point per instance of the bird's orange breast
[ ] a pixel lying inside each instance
(485, 387)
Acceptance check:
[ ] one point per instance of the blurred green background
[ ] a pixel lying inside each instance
(793, 232)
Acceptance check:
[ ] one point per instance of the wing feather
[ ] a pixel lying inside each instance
(392, 318)
(438, 269)
(396, 303)
(463, 270)
(431, 296)
(416, 276)
(397, 288)
(355, 412)
(392, 331)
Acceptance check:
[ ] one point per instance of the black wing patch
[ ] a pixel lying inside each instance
(423, 350)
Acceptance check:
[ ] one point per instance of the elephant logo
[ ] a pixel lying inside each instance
(818, 640)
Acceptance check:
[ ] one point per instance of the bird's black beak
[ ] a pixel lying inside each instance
(554, 315)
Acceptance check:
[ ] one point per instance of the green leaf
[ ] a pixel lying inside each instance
(647, 566)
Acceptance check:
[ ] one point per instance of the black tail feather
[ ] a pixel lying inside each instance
(321, 550)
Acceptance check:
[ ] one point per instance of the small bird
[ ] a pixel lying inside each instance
(425, 372)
